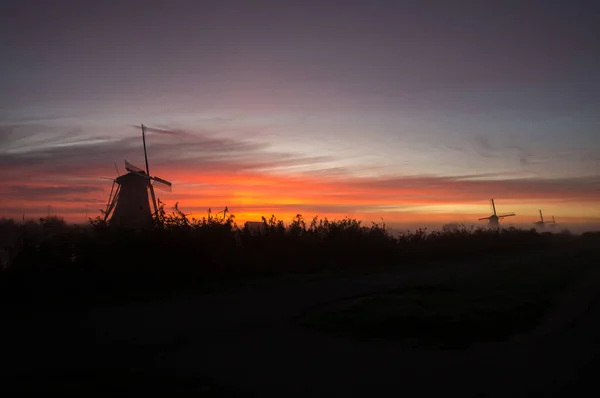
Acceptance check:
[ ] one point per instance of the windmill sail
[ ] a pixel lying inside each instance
(161, 184)
(133, 168)
(506, 215)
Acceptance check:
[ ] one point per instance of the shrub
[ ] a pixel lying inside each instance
(181, 252)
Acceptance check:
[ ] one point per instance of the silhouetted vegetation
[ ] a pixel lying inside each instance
(51, 260)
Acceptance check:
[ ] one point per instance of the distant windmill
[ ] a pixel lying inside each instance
(540, 222)
(495, 218)
(128, 204)
(553, 223)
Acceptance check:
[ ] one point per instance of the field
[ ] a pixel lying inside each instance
(318, 308)
(457, 312)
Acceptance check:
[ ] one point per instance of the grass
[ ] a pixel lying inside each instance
(64, 357)
(54, 264)
(455, 314)
(114, 378)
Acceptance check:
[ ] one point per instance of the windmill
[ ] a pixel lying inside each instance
(552, 223)
(495, 218)
(540, 222)
(128, 203)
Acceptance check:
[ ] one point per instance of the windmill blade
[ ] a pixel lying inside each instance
(112, 203)
(493, 206)
(158, 179)
(507, 215)
(132, 168)
(145, 153)
(162, 131)
(154, 130)
(154, 202)
(161, 184)
(107, 178)
(110, 198)
(162, 187)
(484, 218)
(140, 174)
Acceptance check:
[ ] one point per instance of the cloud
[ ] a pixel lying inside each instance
(15, 136)
(251, 191)
(487, 148)
(482, 143)
(27, 191)
(210, 170)
(201, 151)
(458, 189)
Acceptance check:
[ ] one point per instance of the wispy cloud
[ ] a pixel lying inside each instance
(487, 148)
(31, 191)
(210, 170)
(199, 151)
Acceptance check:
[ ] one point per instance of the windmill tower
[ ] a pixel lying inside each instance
(494, 219)
(540, 222)
(129, 205)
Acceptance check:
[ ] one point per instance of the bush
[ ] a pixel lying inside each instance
(54, 259)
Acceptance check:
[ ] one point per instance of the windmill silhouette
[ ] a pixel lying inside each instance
(540, 222)
(552, 223)
(129, 205)
(494, 219)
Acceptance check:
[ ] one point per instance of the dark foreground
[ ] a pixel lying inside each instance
(264, 339)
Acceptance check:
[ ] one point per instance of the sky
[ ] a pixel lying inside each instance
(414, 112)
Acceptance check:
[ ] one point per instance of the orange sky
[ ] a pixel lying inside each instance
(250, 195)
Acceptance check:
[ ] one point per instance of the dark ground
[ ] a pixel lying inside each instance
(250, 342)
